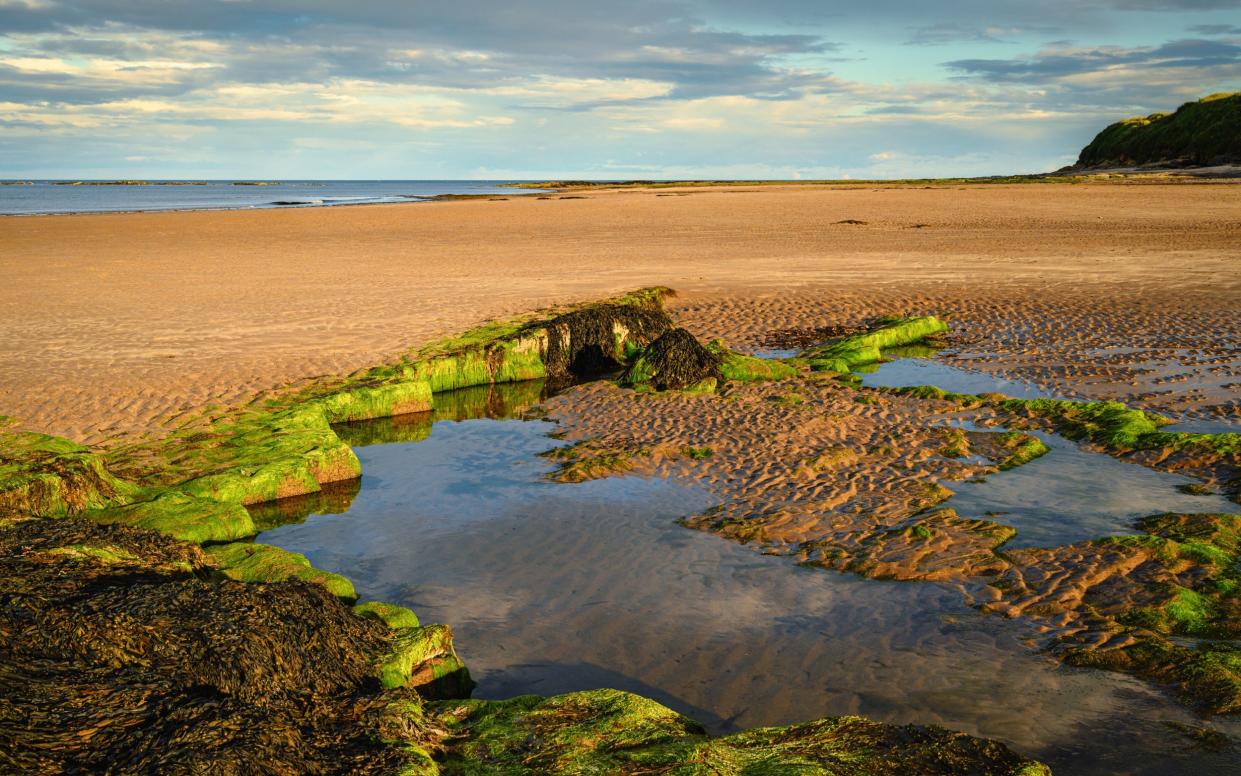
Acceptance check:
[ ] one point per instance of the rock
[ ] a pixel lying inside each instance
(677, 360)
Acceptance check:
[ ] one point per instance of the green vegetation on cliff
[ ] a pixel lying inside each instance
(1204, 132)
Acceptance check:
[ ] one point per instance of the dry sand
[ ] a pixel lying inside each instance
(112, 323)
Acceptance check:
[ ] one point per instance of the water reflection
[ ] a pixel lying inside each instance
(552, 588)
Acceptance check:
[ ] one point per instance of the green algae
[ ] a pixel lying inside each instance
(1108, 423)
(1022, 449)
(381, 401)
(423, 658)
(247, 562)
(742, 368)
(264, 457)
(389, 614)
(855, 350)
(614, 732)
(52, 476)
(185, 517)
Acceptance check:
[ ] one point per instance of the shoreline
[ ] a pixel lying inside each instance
(1101, 176)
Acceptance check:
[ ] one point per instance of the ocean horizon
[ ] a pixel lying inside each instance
(63, 196)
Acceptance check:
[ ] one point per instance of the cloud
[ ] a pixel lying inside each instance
(945, 33)
(1215, 29)
(1058, 63)
(796, 85)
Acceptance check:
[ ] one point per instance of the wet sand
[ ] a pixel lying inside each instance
(110, 324)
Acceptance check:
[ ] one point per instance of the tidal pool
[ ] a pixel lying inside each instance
(1070, 495)
(551, 588)
(1067, 495)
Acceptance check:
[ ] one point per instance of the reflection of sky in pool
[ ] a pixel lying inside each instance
(551, 588)
(1070, 495)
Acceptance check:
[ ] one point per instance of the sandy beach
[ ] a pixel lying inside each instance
(114, 323)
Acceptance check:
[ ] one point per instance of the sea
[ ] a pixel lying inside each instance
(67, 196)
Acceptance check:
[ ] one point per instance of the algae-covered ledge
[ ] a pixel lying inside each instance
(107, 550)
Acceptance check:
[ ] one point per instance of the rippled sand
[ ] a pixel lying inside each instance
(110, 324)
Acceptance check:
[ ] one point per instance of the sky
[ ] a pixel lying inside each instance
(483, 89)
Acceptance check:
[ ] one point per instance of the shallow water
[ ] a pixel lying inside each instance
(552, 588)
(49, 197)
(1066, 496)
(909, 368)
(1070, 495)
(903, 372)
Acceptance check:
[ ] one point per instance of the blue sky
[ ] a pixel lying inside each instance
(563, 89)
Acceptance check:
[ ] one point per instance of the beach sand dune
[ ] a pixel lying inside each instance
(112, 324)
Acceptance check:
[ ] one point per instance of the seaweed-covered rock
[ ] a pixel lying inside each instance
(608, 731)
(599, 339)
(121, 652)
(184, 517)
(588, 341)
(248, 562)
(47, 475)
(844, 354)
(677, 360)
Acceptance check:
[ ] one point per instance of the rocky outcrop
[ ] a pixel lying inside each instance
(1202, 133)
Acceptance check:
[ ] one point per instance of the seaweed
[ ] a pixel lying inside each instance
(676, 360)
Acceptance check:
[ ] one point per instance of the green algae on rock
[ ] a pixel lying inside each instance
(744, 369)
(424, 659)
(609, 731)
(47, 475)
(185, 517)
(246, 562)
(389, 614)
(676, 360)
(844, 354)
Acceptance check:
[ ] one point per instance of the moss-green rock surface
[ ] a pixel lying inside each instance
(247, 562)
(844, 354)
(613, 732)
